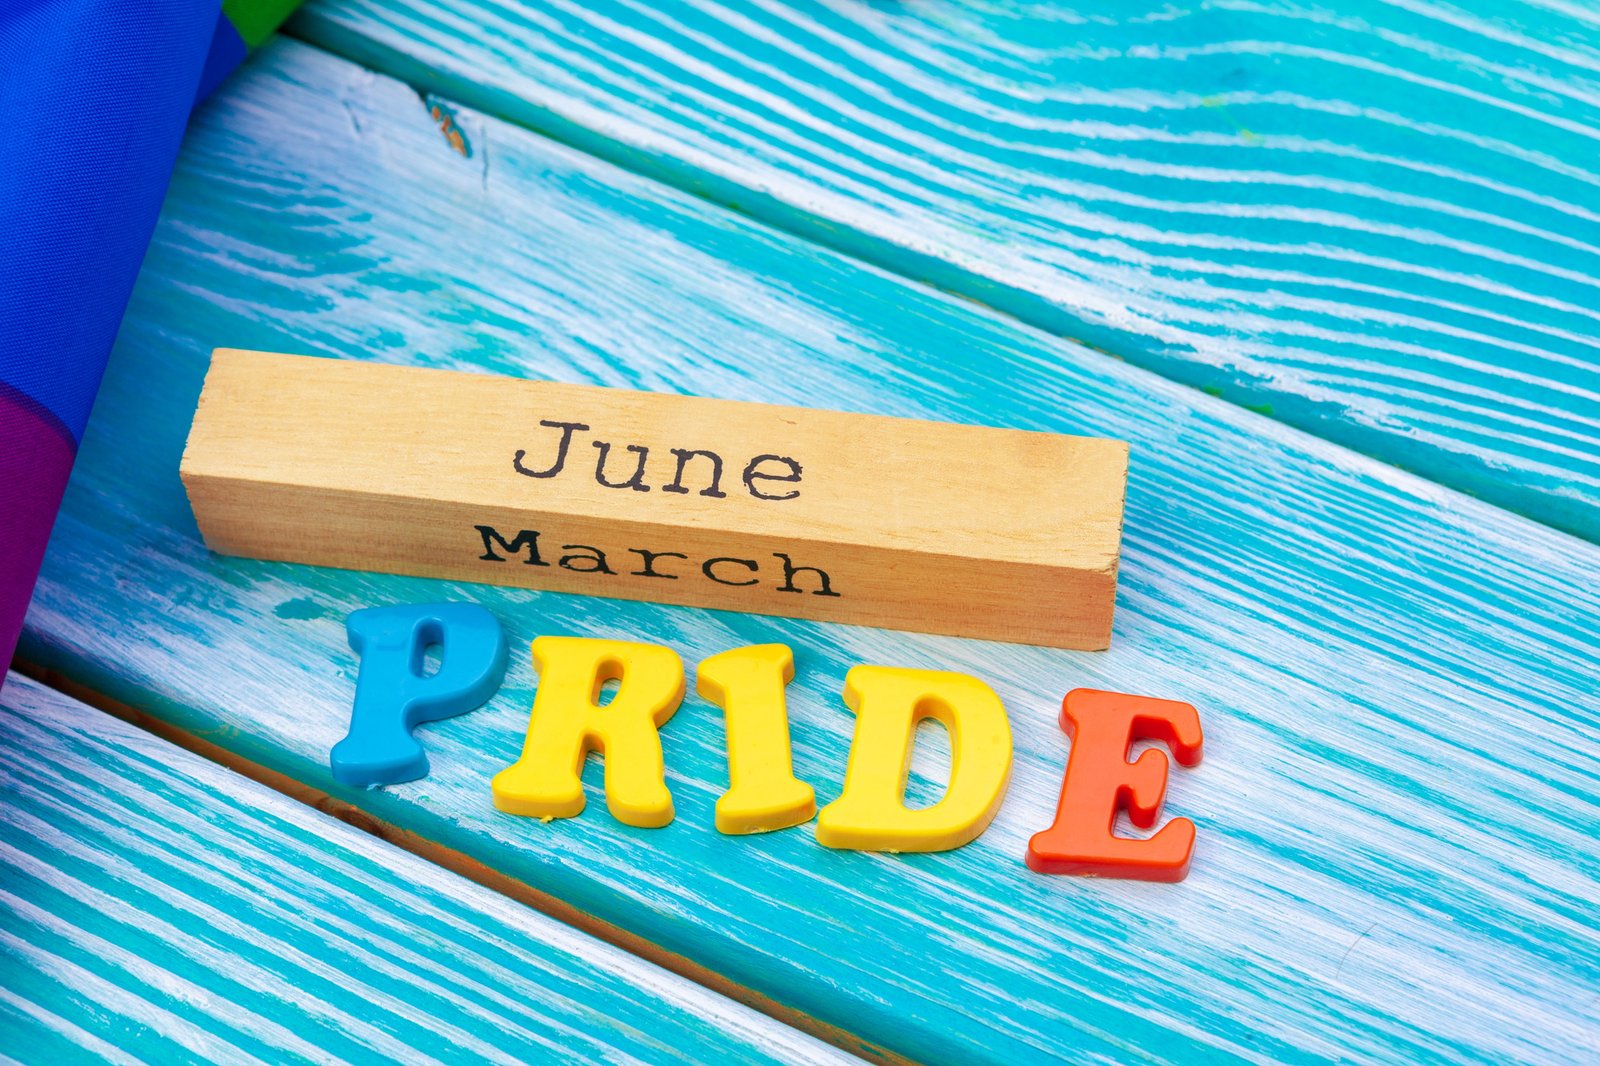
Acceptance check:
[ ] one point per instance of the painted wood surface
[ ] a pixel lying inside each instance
(155, 906)
(1374, 220)
(1398, 807)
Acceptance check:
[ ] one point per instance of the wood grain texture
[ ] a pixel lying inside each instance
(1374, 220)
(835, 516)
(1398, 807)
(155, 906)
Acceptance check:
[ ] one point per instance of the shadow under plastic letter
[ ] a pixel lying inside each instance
(392, 695)
(568, 722)
(889, 702)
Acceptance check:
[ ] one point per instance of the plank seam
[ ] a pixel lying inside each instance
(465, 866)
(768, 211)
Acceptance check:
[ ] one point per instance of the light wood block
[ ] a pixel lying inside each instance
(963, 530)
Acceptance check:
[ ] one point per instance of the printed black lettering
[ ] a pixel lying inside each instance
(684, 455)
(593, 555)
(567, 430)
(790, 570)
(650, 558)
(636, 482)
(526, 538)
(752, 475)
(748, 564)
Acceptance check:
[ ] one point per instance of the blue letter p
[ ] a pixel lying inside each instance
(392, 695)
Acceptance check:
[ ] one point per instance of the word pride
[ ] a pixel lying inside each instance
(570, 720)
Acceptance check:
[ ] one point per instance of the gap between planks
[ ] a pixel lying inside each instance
(767, 210)
(464, 865)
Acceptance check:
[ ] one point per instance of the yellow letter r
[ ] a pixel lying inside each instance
(569, 721)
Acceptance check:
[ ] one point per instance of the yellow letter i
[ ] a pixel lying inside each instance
(747, 683)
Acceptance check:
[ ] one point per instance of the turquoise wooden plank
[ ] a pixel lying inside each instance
(1398, 806)
(155, 906)
(1374, 221)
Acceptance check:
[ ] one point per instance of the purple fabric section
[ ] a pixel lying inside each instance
(36, 453)
(95, 94)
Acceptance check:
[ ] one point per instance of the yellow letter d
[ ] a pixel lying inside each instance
(889, 702)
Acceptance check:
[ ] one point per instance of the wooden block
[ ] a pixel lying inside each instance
(964, 530)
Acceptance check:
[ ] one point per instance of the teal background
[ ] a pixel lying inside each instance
(1398, 804)
(1372, 220)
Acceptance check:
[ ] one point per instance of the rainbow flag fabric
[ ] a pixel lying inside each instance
(95, 94)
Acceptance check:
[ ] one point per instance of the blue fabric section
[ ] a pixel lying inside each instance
(227, 51)
(95, 94)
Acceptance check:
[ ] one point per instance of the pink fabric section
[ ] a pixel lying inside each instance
(36, 456)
